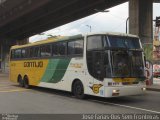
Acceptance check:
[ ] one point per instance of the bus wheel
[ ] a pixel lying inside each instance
(20, 81)
(26, 82)
(78, 90)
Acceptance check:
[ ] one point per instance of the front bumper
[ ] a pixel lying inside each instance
(124, 91)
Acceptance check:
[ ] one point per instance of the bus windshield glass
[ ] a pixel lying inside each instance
(120, 62)
(124, 42)
(126, 62)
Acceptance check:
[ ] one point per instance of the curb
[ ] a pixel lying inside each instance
(153, 89)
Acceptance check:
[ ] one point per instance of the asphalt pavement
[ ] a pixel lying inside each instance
(14, 99)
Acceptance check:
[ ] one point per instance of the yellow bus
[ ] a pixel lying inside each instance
(98, 64)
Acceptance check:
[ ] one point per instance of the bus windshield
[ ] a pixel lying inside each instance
(126, 62)
(115, 56)
(124, 42)
(120, 62)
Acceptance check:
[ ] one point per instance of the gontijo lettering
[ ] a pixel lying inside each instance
(33, 64)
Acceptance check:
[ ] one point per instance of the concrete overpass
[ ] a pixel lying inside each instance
(23, 18)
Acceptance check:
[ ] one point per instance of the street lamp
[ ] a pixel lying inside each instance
(89, 27)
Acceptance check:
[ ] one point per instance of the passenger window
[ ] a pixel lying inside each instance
(75, 47)
(31, 52)
(79, 47)
(59, 49)
(23, 53)
(18, 53)
(27, 52)
(55, 49)
(36, 52)
(62, 48)
(46, 51)
(71, 49)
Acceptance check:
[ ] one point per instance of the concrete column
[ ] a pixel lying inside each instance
(141, 24)
(5, 45)
(0, 57)
(5, 56)
(140, 19)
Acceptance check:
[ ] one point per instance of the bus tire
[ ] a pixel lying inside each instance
(26, 82)
(78, 89)
(20, 81)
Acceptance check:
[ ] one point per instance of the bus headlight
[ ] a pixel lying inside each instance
(143, 89)
(115, 92)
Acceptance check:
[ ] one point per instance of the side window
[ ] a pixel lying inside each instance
(23, 53)
(59, 49)
(94, 42)
(18, 53)
(46, 51)
(31, 52)
(79, 47)
(55, 49)
(27, 52)
(71, 49)
(62, 48)
(36, 52)
(75, 47)
(12, 54)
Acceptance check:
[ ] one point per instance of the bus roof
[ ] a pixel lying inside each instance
(49, 40)
(114, 34)
(65, 38)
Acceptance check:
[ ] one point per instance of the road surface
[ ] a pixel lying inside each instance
(14, 99)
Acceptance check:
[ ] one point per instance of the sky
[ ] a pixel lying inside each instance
(112, 21)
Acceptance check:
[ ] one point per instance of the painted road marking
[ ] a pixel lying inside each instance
(6, 87)
(4, 82)
(126, 106)
(3, 85)
(14, 90)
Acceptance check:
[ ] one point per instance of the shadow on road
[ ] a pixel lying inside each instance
(119, 100)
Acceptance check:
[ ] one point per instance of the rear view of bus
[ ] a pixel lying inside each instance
(117, 65)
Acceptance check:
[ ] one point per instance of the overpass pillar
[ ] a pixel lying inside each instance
(5, 45)
(141, 24)
(0, 56)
